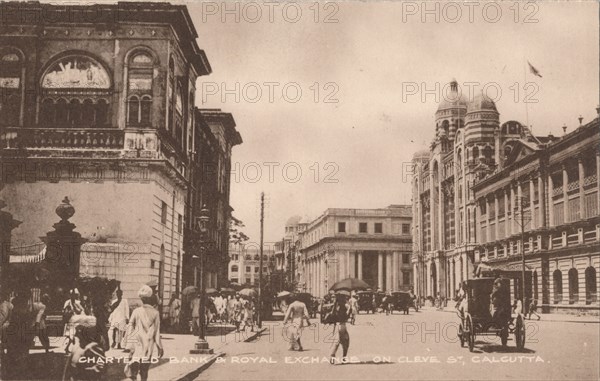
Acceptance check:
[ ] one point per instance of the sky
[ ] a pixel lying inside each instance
(368, 72)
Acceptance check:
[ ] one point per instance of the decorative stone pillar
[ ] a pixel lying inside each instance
(63, 248)
(507, 230)
(497, 221)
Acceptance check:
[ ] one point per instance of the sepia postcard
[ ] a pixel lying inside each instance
(299, 190)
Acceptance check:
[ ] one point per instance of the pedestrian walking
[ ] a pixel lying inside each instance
(340, 317)
(174, 312)
(297, 315)
(6, 308)
(118, 319)
(533, 309)
(72, 311)
(39, 308)
(238, 312)
(353, 309)
(248, 313)
(143, 336)
(195, 307)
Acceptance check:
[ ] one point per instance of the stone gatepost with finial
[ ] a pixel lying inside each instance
(63, 248)
(7, 224)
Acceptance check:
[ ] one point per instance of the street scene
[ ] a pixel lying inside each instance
(299, 190)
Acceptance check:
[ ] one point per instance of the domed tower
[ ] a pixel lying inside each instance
(481, 125)
(450, 115)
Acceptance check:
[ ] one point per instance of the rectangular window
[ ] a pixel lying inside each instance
(256, 268)
(179, 223)
(378, 227)
(248, 269)
(362, 227)
(341, 227)
(248, 281)
(406, 259)
(405, 228)
(406, 278)
(163, 213)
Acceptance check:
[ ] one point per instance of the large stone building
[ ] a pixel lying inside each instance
(245, 263)
(287, 253)
(98, 105)
(370, 244)
(471, 188)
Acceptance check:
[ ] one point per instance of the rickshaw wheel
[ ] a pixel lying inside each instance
(504, 336)
(470, 330)
(520, 333)
(461, 335)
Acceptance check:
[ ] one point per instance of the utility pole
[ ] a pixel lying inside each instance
(260, 261)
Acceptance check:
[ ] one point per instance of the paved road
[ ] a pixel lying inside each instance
(421, 345)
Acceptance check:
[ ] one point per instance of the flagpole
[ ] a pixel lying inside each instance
(525, 100)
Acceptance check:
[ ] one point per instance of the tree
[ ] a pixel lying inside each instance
(236, 235)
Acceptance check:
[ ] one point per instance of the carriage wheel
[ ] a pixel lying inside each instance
(520, 333)
(470, 331)
(461, 335)
(504, 336)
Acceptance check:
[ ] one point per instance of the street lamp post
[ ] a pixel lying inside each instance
(201, 345)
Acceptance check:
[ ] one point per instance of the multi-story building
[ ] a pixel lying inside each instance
(98, 104)
(215, 136)
(245, 264)
(370, 244)
(287, 251)
(471, 187)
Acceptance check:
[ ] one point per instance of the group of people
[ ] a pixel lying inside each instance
(139, 333)
(230, 309)
(336, 311)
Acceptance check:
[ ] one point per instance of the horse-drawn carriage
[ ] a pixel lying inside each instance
(486, 310)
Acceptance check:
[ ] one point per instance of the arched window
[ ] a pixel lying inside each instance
(558, 289)
(11, 64)
(85, 83)
(591, 291)
(256, 257)
(234, 269)
(74, 116)
(573, 286)
(139, 99)
(88, 114)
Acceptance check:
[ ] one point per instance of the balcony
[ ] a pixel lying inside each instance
(63, 138)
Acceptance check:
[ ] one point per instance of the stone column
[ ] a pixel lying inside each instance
(565, 195)
(496, 227)
(360, 265)
(388, 271)
(352, 264)
(582, 214)
(395, 271)
(380, 270)
(532, 204)
(507, 230)
(513, 227)
(550, 223)
(441, 219)
(438, 271)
